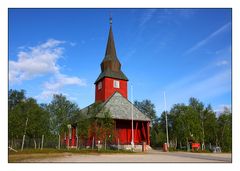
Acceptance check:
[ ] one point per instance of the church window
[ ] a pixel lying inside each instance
(99, 85)
(116, 84)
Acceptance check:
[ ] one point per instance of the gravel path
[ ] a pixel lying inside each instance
(152, 156)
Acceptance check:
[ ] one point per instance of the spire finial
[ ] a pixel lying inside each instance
(110, 19)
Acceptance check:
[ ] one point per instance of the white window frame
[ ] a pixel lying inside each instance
(99, 85)
(116, 84)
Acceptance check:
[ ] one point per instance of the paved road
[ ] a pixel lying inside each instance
(211, 157)
(152, 156)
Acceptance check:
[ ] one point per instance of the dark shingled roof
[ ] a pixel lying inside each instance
(110, 66)
(120, 108)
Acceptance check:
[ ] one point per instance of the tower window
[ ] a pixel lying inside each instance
(116, 84)
(99, 85)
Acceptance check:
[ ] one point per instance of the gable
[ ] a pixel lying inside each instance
(121, 108)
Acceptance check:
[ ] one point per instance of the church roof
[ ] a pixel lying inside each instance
(120, 108)
(119, 75)
(111, 66)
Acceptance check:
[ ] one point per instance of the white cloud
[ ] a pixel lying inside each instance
(61, 80)
(174, 16)
(147, 16)
(73, 44)
(211, 36)
(213, 86)
(220, 108)
(55, 85)
(46, 94)
(221, 63)
(35, 61)
(41, 60)
(211, 82)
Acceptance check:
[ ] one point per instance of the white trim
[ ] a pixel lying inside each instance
(116, 83)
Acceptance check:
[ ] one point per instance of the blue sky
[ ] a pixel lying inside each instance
(184, 52)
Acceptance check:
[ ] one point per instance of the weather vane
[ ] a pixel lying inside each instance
(110, 19)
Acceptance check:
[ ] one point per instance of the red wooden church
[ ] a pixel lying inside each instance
(112, 90)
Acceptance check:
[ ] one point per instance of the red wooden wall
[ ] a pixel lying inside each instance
(107, 89)
(124, 131)
(73, 138)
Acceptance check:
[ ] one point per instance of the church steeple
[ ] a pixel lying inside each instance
(110, 49)
(111, 66)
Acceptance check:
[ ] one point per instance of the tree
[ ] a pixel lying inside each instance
(147, 108)
(62, 112)
(101, 123)
(15, 97)
(16, 121)
(22, 109)
(224, 122)
(158, 133)
(210, 125)
(198, 107)
(179, 126)
(106, 126)
(38, 121)
(83, 125)
(193, 122)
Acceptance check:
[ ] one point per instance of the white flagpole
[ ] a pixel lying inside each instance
(165, 106)
(132, 142)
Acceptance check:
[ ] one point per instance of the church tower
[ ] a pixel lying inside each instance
(111, 78)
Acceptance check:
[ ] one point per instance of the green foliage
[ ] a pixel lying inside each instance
(15, 97)
(62, 112)
(186, 123)
(225, 130)
(193, 123)
(147, 108)
(23, 110)
(101, 122)
(34, 120)
(38, 119)
(210, 125)
(83, 125)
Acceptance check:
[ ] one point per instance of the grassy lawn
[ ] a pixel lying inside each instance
(49, 153)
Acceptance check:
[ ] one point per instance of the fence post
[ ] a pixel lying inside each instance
(42, 142)
(24, 134)
(35, 144)
(105, 144)
(59, 141)
(118, 144)
(23, 142)
(92, 143)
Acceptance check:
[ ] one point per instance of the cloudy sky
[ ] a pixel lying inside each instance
(184, 52)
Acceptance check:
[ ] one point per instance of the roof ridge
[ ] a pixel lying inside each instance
(104, 103)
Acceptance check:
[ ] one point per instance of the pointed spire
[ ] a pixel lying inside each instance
(110, 66)
(110, 50)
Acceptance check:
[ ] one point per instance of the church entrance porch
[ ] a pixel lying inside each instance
(123, 132)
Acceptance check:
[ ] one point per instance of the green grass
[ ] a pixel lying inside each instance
(49, 153)
(52, 150)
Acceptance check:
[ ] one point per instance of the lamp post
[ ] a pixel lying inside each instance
(69, 133)
(132, 142)
(165, 104)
